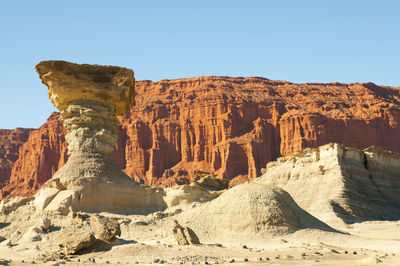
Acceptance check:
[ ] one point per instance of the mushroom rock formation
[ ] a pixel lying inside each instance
(89, 98)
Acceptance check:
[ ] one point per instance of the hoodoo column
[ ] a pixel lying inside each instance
(89, 98)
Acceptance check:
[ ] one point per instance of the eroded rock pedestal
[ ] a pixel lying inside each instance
(90, 97)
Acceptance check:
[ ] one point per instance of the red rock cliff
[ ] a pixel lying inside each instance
(228, 126)
(10, 142)
(39, 158)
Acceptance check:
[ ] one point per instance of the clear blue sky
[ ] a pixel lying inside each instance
(298, 41)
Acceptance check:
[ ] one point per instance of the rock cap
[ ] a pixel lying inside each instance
(69, 82)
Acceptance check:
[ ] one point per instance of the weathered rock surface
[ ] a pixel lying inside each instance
(40, 157)
(212, 182)
(184, 196)
(10, 205)
(74, 240)
(249, 212)
(90, 97)
(230, 127)
(337, 183)
(105, 228)
(70, 82)
(45, 224)
(33, 234)
(184, 235)
(10, 142)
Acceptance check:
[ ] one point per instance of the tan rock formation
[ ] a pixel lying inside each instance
(184, 235)
(10, 205)
(212, 182)
(183, 196)
(69, 82)
(340, 184)
(105, 228)
(250, 213)
(74, 240)
(90, 97)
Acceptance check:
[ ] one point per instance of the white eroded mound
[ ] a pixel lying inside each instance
(248, 213)
(340, 184)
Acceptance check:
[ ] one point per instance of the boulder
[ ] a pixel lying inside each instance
(47, 194)
(104, 228)
(9, 205)
(211, 182)
(45, 224)
(184, 235)
(75, 240)
(61, 202)
(43, 198)
(33, 234)
(185, 195)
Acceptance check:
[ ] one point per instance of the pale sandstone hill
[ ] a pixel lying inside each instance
(249, 213)
(337, 183)
(230, 127)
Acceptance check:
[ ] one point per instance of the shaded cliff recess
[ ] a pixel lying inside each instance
(228, 127)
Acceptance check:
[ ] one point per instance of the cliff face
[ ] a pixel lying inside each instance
(227, 126)
(340, 184)
(10, 142)
(39, 158)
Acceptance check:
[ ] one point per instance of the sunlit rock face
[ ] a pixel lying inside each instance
(10, 142)
(89, 98)
(69, 82)
(336, 183)
(230, 127)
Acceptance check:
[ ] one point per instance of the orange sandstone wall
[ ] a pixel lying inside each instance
(10, 142)
(39, 158)
(227, 126)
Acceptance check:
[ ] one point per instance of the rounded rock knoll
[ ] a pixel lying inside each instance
(250, 213)
(89, 98)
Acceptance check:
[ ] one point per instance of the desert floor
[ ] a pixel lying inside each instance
(150, 241)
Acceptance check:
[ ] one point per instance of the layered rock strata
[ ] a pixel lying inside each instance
(44, 152)
(10, 142)
(90, 97)
(230, 127)
(340, 184)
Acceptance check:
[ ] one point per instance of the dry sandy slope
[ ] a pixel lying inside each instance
(251, 223)
(146, 239)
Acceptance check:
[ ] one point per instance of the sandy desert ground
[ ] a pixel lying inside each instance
(149, 240)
